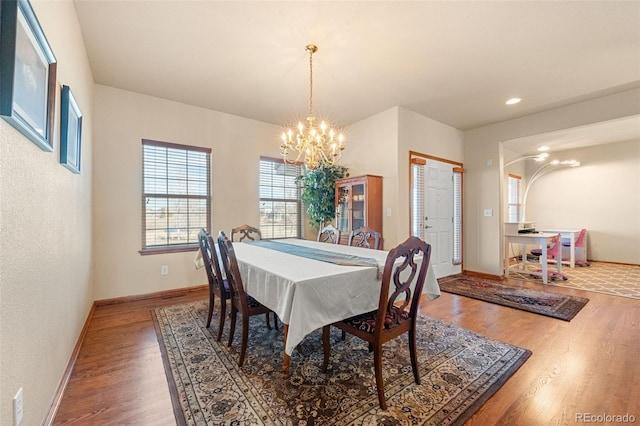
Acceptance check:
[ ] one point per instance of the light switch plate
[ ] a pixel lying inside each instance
(488, 212)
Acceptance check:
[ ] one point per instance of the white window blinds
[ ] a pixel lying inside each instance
(417, 197)
(280, 206)
(514, 183)
(457, 216)
(176, 195)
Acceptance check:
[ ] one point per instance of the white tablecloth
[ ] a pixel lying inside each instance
(307, 294)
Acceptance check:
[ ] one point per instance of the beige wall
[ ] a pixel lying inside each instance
(482, 181)
(45, 237)
(602, 195)
(372, 150)
(122, 120)
(380, 145)
(426, 136)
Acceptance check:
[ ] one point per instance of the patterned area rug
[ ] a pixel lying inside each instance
(603, 277)
(459, 371)
(539, 302)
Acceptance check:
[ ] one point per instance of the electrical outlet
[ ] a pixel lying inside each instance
(164, 270)
(17, 408)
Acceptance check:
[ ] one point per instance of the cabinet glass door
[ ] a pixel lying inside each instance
(343, 209)
(358, 213)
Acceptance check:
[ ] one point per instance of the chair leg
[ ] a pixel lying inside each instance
(232, 326)
(245, 338)
(377, 362)
(326, 347)
(414, 355)
(223, 316)
(268, 323)
(212, 299)
(275, 321)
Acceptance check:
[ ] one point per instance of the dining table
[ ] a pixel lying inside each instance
(310, 284)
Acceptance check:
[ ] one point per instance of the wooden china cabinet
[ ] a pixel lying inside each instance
(358, 203)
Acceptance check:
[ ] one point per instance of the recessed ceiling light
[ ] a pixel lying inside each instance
(513, 101)
(543, 148)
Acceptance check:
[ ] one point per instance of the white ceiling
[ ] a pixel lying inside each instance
(613, 131)
(456, 62)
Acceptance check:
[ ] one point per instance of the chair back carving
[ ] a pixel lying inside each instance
(245, 232)
(230, 265)
(360, 238)
(210, 258)
(329, 234)
(403, 263)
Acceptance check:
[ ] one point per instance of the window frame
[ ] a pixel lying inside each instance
(511, 179)
(458, 201)
(179, 247)
(416, 186)
(300, 217)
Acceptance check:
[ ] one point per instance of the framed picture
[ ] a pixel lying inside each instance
(27, 74)
(70, 131)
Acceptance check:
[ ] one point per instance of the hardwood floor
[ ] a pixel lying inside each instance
(586, 366)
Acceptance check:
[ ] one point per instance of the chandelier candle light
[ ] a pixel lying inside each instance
(319, 144)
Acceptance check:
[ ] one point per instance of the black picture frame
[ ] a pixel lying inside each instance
(70, 130)
(27, 74)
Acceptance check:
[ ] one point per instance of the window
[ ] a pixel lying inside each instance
(514, 184)
(417, 197)
(176, 196)
(457, 215)
(280, 206)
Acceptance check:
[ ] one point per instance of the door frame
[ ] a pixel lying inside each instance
(458, 168)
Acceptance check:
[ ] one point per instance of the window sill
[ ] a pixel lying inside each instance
(168, 249)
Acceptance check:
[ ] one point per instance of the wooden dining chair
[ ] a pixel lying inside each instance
(362, 236)
(218, 286)
(240, 300)
(245, 232)
(397, 310)
(329, 234)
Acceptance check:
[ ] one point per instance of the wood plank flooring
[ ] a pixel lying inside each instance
(589, 365)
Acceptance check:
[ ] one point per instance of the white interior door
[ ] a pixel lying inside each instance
(438, 223)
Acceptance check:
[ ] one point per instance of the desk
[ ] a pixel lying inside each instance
(540, 239)
(571, 235)
(308, 294)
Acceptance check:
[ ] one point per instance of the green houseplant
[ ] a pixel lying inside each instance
(319, 192)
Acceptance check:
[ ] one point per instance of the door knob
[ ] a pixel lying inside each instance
(427, 227)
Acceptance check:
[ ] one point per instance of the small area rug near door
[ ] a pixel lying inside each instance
(459, 371)
(540, 302)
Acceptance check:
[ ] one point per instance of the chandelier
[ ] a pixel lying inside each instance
(318, 144)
